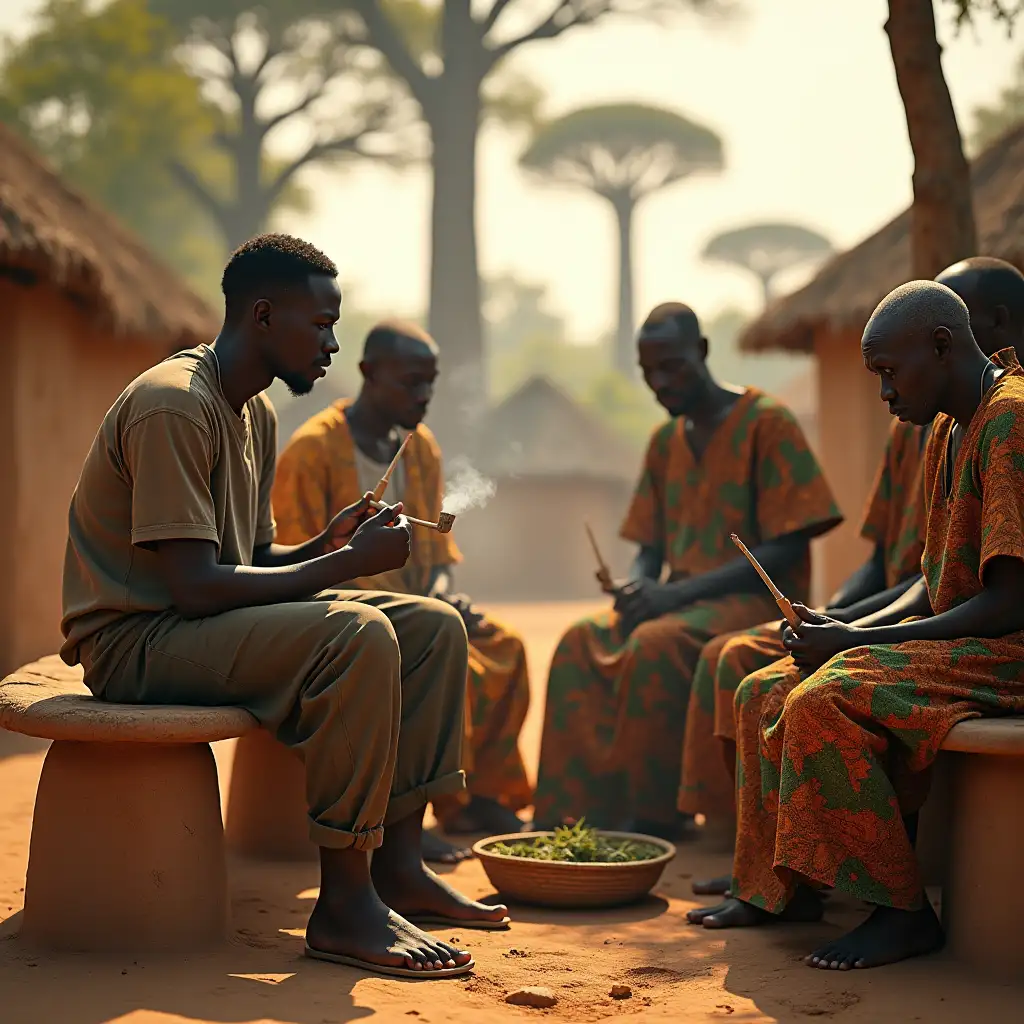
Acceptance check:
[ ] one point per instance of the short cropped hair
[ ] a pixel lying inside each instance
(269, 260)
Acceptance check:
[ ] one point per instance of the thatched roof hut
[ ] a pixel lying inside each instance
(85, 309)
(846, 290)
(555, 465)
(827, 316)
(540, 431)
(50, 232)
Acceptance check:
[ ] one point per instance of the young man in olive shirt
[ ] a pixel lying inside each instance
(174, 592)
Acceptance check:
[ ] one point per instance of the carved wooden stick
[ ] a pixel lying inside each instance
(604, 574)
(784, 606)
(382, 486)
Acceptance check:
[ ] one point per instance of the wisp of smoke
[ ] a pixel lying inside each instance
(466, 488)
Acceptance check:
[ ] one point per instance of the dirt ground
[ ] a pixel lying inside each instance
(676, 972)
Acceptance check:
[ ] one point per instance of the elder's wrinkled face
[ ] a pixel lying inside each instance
(913, 374)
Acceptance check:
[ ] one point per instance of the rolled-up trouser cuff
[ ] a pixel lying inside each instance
(401, 805)
(342, 839)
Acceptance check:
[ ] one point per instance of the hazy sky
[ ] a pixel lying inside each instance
(802, 91)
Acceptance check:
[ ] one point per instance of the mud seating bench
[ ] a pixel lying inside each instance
(975, 827)
(127, 848)
(266, 808)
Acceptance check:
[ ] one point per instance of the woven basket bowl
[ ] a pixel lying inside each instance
(546, 883)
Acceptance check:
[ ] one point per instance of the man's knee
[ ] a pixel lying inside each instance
(811, 701)
(653, 635)
(375, 637)
(444, 621)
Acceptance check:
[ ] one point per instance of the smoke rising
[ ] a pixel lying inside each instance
(467, 489)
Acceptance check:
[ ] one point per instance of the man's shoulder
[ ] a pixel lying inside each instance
(176, 385)
(426, 443)
(765, 408)
(327, 427)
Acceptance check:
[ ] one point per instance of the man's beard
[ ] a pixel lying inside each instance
(297, 385)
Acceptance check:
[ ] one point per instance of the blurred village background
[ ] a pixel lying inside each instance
(524, 177)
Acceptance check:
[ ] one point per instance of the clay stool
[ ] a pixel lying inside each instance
(266, 814)
(983, 902)
(127, 850)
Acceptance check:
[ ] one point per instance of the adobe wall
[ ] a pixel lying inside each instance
(65, 375)
(853, 424)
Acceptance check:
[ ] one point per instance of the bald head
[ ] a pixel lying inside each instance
(993, 291)
(672, 319)
(919, 343)
(399, 367)
(915, 311)
(396, 338)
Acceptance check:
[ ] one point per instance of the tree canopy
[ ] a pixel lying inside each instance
(623, 149)
(767, 249)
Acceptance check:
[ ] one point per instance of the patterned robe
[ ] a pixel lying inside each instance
(616, 706)
(894, 521)
(316, 478)
(828, 767)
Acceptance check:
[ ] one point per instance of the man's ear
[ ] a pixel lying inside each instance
(943, 341)
(261, 313)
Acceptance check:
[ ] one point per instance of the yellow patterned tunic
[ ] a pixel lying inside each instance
(317, 476)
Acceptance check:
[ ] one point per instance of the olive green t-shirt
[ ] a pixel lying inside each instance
(171, 461)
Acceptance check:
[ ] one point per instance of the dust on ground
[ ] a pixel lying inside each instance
(676, 972)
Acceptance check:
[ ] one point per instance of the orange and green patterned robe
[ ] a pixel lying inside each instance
(316, 478)
(894, 521)
(828, 767)
(616, 706)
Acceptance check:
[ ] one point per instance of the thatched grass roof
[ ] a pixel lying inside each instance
(846, 290)
(540, 431)
(50, 232)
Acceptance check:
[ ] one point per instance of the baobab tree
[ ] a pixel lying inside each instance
(451, 75)
(766, 250)
(623, 152)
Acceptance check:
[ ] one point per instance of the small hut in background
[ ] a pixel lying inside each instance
(555, 466)
(85, 309)
(827, 317)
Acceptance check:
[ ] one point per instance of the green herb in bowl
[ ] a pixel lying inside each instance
(578, 845)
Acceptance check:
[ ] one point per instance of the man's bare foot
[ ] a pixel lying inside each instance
(713, 886)
(362, 927)
(483, 815)
(415, 891)
(886, 937)
(437, 851)
(411, 889)
(804, 907)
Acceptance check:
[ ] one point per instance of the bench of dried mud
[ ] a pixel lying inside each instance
(127, 847)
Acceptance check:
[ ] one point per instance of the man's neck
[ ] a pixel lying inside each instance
(242, 375)
(713, 403)
(966, 396)
(368, 421)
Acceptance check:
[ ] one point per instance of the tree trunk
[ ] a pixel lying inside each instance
(625, 344)
(455, 297)
(766, 288)
(942, 217)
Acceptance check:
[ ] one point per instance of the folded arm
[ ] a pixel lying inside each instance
(879, 602)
